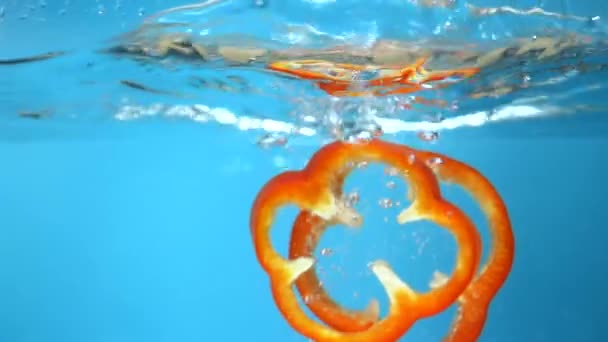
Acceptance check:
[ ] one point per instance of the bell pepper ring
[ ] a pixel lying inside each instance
(317, 191)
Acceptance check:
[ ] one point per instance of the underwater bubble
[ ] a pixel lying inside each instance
(327, 252)
(434, 162)
(352, 199)
(385, 203)
(391, 184)
(428, 136)
(272, 140)
(391, 171)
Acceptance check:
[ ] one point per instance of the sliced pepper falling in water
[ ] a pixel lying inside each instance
(317, 191)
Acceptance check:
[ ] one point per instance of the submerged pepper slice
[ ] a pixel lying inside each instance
(317, 191)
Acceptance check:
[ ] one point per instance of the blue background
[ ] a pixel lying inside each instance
(139, 231)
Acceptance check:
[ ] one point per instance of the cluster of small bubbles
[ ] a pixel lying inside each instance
(391, 171)
(351, 199)
(393, 105)
(375, 130)
(327, 252)
(358, 136)
(391, 184)
(362, 165)
(368, 108)
(354, 130)
(272, 140)
(347, 119)
(385, 203)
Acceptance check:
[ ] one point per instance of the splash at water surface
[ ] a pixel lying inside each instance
(295, 73)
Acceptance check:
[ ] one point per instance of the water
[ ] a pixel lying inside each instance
(131, 160)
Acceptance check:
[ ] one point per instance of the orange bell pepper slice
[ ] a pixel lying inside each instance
(340, 79)
(317, 191)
